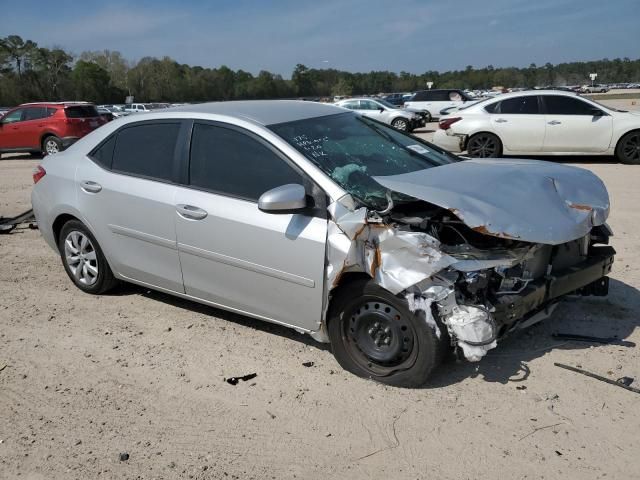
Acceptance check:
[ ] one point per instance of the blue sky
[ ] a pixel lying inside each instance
(353, 35)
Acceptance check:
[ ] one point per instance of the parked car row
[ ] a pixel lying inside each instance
(378, 109)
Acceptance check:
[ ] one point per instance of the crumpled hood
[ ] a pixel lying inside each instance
(528, 200)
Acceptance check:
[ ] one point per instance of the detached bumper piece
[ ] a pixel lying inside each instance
(8, 224)
(586, 278)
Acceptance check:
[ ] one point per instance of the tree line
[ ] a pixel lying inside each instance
(29, 72)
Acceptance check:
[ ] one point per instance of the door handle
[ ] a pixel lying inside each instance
(554, 122)
(190, 212)
(501, 120)
(91, 187)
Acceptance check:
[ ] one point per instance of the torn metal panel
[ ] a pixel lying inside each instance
(395, 258)
(528, 200)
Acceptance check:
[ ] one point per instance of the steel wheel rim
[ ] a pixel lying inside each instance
(51, 147)
(482, 147)
(379, 338)
(631, 147)
(81, 258)
(400, 124)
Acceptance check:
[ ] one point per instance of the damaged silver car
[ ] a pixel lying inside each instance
(333, 224)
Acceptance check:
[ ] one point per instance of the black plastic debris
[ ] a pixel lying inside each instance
(124, 457)
(308, 364)
(625, 380)
(235, 380)
(589, 339)
(600, 377)
(7, 224)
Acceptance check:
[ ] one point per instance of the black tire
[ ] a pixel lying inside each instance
(401, 124)
(50, 145)
(628, 148)
(374, 335)
(100, 283)
(484, 145)
(428, 118)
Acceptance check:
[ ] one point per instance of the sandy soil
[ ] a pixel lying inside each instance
(138, 372)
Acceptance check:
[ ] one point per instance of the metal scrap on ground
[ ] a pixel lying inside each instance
(623, 384)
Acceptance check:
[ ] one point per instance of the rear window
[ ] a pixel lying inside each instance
(82, 111)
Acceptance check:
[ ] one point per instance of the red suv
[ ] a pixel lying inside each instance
(47, 127)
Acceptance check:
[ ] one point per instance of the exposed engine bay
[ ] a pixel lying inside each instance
(475, 285)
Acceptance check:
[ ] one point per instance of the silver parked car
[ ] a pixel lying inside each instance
(328, 222)
(384, 112)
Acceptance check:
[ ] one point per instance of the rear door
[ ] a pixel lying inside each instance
(234, 255)
(127, 194)
(574, 125)
(11, 131)
(372, 109)
(519, 123)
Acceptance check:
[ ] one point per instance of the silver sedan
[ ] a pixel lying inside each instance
(385, 112)
(328, 222)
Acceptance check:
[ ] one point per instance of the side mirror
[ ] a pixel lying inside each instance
(596, 112)
(381, 109)
(283, 199)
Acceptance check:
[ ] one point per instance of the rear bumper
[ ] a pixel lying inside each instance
(452, 143)
(511, 308)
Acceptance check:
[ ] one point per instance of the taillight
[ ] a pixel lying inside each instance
(446, 123)
(38, 173)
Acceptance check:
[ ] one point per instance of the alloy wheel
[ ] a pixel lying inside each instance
(482, 146)
(631, 147)
(51, 146)
(81, 258)
(400, 125)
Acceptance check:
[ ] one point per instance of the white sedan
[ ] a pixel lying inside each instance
(541, 122)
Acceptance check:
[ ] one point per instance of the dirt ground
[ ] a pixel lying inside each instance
(88, 378)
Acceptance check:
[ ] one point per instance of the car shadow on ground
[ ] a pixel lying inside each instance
(217, 313)
(614, 316)
(607, 317)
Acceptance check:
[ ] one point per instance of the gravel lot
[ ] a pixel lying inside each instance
(88, 378)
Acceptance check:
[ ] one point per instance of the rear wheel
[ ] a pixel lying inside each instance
(484, 145)
(51, 145)
(400, 124)
(628, 149)
(83, 259)
(374, 335)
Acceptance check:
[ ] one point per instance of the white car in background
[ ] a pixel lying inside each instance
(384, 112)
(434, 101)
(541, 122)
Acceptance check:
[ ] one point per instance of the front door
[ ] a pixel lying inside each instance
(11, 131)
(236, 256)
(574, 125)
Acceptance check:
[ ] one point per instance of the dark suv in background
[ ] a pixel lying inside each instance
(47, 127)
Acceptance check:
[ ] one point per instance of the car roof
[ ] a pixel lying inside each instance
(263, 112)
(525, 93)
(63, 104)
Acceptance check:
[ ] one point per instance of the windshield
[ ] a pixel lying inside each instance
(351, 149)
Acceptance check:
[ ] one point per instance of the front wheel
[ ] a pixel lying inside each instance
(400, 124)
(374, 335)
(484, 145)
(628, 149)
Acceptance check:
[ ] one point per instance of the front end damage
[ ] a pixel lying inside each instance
(468, 279)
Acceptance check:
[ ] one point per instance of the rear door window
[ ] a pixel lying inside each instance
(527, 105)
(147, 150)
(103, 154)
(34, 113)
(81, 111)
(233, 163)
